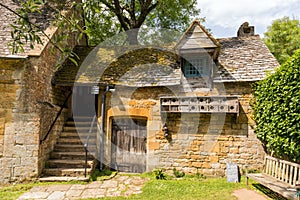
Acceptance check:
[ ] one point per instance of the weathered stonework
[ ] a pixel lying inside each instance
(201, 143)
(29, 102)
(28, 106)
(22, 87)
(197, 142)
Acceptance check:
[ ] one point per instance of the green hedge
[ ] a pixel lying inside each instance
(277, 110)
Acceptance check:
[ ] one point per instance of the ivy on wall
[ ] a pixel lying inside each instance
(277, 110)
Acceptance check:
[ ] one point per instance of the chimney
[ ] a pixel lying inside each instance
(245, 30)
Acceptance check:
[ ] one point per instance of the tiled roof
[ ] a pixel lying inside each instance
(67, 73)
(7, 17)
(240, 59)
(151, 75)
(244, 59)
(139, 67)
(132, 66)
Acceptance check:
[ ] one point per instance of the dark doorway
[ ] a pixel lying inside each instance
(84, 102)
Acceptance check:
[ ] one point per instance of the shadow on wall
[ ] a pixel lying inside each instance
(208, 123)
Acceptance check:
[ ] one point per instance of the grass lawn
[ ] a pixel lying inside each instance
(185, 188)
(14, 191)
(189, 189)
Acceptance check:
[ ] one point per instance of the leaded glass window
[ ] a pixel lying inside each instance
(193, 67)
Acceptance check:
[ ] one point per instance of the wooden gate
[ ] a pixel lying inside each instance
(129, 145)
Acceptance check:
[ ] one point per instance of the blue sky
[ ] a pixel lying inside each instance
(224, 17)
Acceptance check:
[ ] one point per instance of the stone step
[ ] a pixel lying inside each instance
(73, 147)
(63, 179)
(71, 172)
(79, 129)
(60, 163)
(82, 119)
(67, 161)
(70, 141)
(78, 123)
(75, 134)
(75, 141)
(71, 155)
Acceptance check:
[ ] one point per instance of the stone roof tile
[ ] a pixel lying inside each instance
(132, 66)
(67, 73)
(244, 59)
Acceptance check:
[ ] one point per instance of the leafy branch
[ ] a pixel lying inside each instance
(26, 30)
(32, 29)
(99, 20)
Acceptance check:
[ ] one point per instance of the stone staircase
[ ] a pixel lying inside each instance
(67, 160)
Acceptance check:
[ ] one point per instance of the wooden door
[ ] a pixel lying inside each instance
(129, 145)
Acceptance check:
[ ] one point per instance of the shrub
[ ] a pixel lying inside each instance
(199, 175)
(277, 110)
(105, 172)
(97, 173)
(159, 174)
(94, 175)
(177, 173)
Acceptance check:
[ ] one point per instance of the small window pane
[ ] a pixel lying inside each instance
(195, 67)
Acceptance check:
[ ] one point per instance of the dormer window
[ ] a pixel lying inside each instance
(198, 50)
(196, 67)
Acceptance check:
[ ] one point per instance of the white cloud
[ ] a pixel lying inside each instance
(225, 16)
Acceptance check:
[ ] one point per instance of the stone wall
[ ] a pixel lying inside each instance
(46, 100)
(10, 87)
(201, 143)
(48, 115)
(28, 105)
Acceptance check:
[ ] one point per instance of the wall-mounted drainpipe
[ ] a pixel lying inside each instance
(103, 119)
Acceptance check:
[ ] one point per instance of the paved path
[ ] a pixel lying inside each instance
(118, 186)
(245, 194)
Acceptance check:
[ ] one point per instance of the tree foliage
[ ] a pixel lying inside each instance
(277, 110)
(30, 25)
(102, 18)
(283, 38)
(105, 18)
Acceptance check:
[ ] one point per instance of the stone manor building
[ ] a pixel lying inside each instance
(183, 105)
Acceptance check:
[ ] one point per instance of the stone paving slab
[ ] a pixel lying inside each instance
(35, 195)
(245, 194)
(53, 188)
(74, 193)
(118, 186)
(56, 195)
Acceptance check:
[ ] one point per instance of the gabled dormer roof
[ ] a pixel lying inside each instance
(197, 39)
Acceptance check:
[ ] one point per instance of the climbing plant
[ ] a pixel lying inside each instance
(277, 110)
